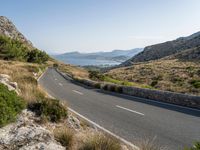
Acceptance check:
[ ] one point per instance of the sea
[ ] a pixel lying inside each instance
(90, 62)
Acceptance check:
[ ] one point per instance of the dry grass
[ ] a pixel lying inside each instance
(22, 73)
(73, 70)
(168, 75)
(150, 144)
(100, 141)
(64, 136)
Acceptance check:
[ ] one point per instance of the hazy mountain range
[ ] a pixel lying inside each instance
(115, 56)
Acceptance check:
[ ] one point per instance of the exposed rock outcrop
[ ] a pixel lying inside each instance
(7, 28)
(12, 86)
(25, 134)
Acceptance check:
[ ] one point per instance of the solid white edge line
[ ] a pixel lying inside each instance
(100, 127)
(139, 113)
(77, 92)
(131, 96)
(105, 130)
(159, 102)
(42, 74)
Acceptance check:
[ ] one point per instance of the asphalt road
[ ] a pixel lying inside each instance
(131, 118)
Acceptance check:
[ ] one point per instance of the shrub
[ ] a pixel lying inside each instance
(195, 147)
(96, 75)
(154, 83)
(118, 89)
(195, 83)
(37, 56)
(10, 105)
(97, 85)
(50, 109)
(198, 72)
(11, 49)
(101, 142)
(55, 65)
(104, 87)
(64, 136)
(111, 87)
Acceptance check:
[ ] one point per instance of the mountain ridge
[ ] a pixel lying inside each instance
(116, 55)
(162, 50)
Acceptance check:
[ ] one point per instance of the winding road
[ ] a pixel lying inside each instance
(132, 118)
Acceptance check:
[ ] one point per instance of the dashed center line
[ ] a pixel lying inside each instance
(139, 113)
(60, 84)
(77, 92)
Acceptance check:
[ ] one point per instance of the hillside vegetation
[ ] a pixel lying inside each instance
(162, 50)
(11, 49)
(168, 75)
(10, 105)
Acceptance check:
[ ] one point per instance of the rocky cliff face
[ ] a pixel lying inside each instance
(165, 49)
(7, 28)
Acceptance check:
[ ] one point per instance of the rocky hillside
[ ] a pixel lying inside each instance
(165, 49)
(8, 29)
(14, 46)
(187, 55)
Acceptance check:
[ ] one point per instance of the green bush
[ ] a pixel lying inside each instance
(195, 147)
(10, 105)
(11, 49)
(96, 75)
(154, 83)
(195, 83)
(118, 89)
(97, 85)
(105, 87)
(198, 72)
(55, 65)
(50, 109)
(101, 142)
(37, 56)
(111, 88)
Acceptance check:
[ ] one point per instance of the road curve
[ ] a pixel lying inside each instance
(131, 118)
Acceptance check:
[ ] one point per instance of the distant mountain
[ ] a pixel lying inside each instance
(8, 29)
(165, 49)
(115, 55)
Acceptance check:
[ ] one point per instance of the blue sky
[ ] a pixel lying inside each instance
(101, 25)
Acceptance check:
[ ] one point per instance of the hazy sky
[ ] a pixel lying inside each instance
(101, 25)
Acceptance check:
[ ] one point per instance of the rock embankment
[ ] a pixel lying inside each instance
(26, 134)
(12, 86)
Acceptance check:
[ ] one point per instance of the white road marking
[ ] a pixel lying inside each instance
(56, 79)
(42, 74)
(159, 102)
(139, 113)
(100, 127)
(77, 92)
(60, 84)
(105, 130)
